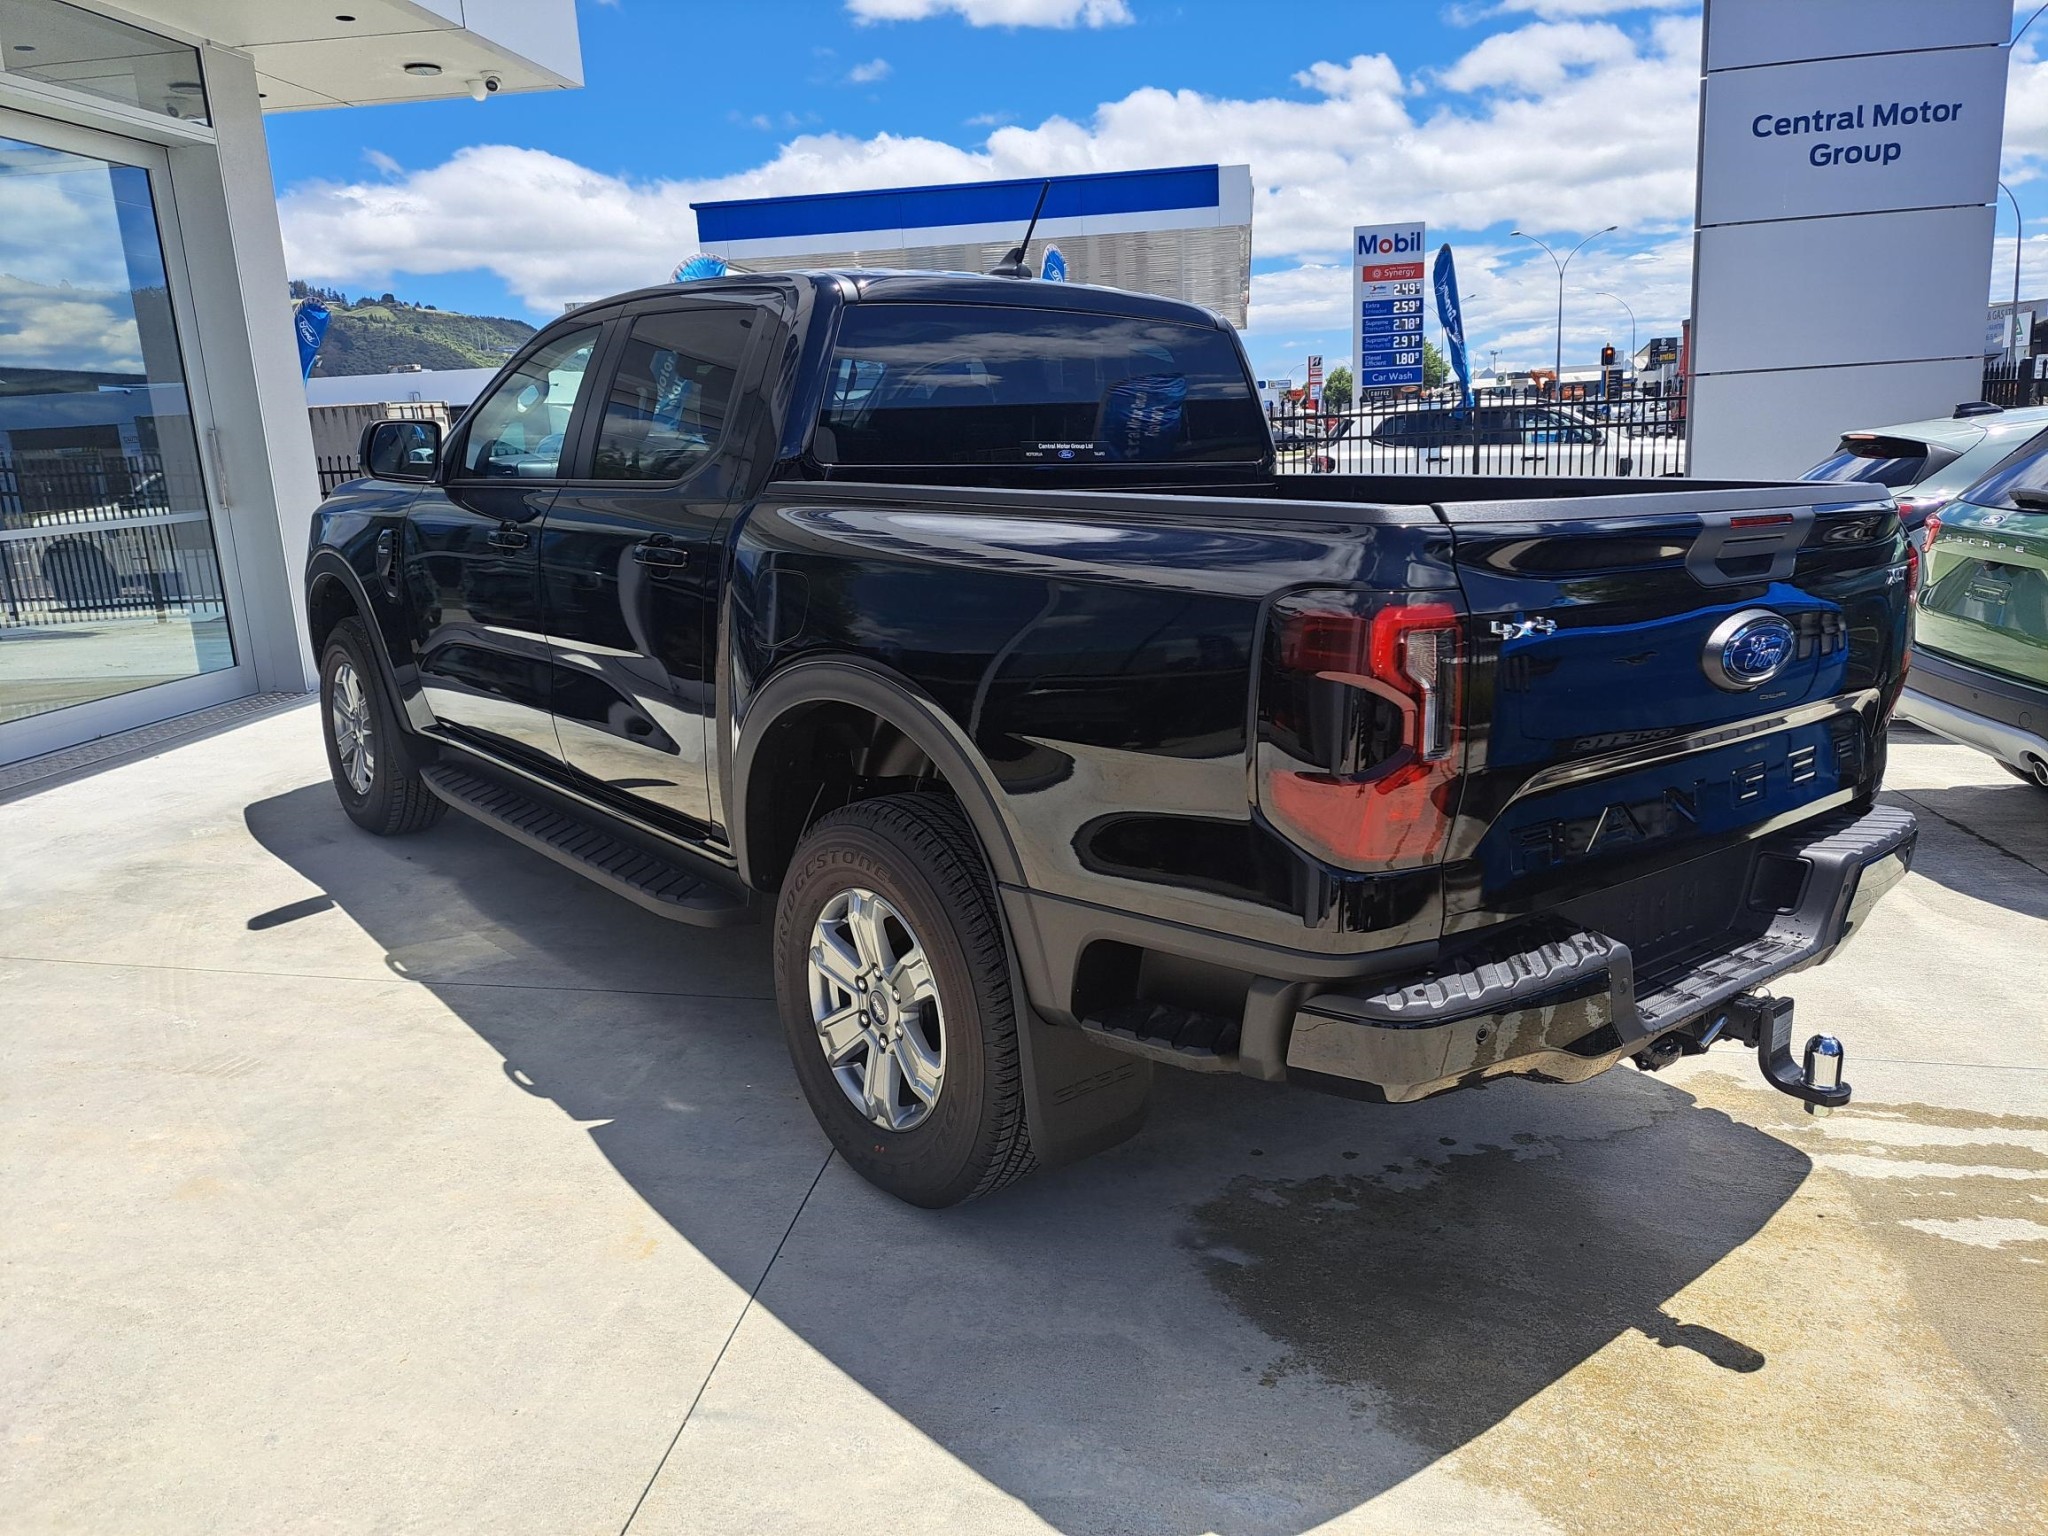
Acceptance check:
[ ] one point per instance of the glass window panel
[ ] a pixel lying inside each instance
(60, 44)
(519, 431)
(674, 388)
(108, 576)
(982, 384)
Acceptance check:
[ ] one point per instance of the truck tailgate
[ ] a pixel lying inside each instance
(1658, 676)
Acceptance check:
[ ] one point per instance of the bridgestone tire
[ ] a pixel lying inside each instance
(918, 853)
(397, 800)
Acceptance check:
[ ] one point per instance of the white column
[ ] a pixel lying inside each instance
(1848, 171)
(266, 484)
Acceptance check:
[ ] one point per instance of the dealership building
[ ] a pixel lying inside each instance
(156, 464)
(1185, 231)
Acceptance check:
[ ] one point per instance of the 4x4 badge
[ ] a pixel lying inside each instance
(1521, 629)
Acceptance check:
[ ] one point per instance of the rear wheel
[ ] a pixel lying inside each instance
(368, 752)
(893, 984)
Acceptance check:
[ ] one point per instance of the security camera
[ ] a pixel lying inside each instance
(485, 86)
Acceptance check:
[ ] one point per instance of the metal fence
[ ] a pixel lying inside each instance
(2010, 383)
(101, 535)
(1503, 432)
(336, 470)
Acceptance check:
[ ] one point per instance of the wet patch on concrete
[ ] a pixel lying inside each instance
(1445, 1292)
(1674, 1326)
(1959, 1198)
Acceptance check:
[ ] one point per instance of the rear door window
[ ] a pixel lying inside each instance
(929, 384)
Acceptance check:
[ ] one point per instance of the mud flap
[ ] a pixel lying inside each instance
(1081, 1097)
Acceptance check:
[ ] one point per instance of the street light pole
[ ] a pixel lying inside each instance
(2019, 243)
(1557, 367)
(1624, 303)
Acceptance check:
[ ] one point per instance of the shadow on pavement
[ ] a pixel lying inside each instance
(1268, 1308)
(1999, 850)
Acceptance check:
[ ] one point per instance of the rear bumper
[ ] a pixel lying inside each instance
(1569, 1003)
(1998, 715)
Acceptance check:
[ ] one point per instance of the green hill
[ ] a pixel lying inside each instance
(376, 338)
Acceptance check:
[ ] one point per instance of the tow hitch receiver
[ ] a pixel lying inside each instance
(1766, 1023)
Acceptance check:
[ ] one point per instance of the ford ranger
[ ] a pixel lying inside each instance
(962, 627)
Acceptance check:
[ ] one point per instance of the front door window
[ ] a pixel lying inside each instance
(108, 577)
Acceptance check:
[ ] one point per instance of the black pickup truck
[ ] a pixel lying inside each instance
(965, 623)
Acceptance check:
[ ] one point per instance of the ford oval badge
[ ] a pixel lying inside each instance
(1748, 649)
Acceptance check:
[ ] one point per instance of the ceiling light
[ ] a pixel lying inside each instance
(427, 70)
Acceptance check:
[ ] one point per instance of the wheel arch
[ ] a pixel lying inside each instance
(778, 777)
(332, 594)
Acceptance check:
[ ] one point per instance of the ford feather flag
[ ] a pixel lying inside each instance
(1453, 318)
(309, 320)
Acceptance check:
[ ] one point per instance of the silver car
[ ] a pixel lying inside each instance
(1926, 464)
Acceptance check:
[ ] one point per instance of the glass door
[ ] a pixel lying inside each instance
(110, 579)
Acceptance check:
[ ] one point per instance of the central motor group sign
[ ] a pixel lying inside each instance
(1857, 135)
(1387, 297)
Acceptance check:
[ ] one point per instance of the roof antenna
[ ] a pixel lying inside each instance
(1013, 264)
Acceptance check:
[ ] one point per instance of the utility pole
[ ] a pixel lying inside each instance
(1624, 303)
(1558, 367)
(2019, 244)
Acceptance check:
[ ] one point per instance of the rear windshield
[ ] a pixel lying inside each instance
(922, 384)
(2021, 475)
(1853, 466)
(1891, 464)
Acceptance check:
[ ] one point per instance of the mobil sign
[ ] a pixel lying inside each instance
(1387, 296)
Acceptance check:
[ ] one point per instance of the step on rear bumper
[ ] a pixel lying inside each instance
(1567, 1004)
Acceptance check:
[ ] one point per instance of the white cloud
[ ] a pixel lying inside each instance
(1510, 302)
(46, 326)
(1610, 141)
(1538, 58)
(998, 13)
(2026, 112)
(868, 73)
(1567, 10)
(383, 162)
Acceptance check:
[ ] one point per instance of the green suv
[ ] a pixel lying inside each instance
(1980, 657)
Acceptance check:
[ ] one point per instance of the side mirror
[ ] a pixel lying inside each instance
(401, 450)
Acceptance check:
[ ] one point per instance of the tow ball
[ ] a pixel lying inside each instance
(1766, 1024)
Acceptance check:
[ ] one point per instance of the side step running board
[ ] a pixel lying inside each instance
(1198, 1042)
(665, 886)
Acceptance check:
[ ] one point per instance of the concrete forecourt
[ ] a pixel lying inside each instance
(366, 1185)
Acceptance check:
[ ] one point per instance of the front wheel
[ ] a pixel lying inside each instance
(368, 752)
(893, 983)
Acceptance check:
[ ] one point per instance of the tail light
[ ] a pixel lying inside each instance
(1360, 705)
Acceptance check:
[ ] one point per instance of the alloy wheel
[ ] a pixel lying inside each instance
(875, 1003)
(354, 737)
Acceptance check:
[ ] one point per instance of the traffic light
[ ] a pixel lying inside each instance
(1607, 356)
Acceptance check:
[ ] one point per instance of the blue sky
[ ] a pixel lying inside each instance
(1561, 116)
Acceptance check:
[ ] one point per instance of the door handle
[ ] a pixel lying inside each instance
(507, 536)
(661, 554)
